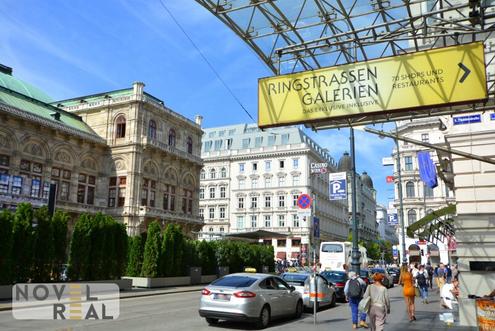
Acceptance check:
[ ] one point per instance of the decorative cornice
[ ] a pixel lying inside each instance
(40, 120)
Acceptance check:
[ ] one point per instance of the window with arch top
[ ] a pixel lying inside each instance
(152, 129)
(411, 216)
(120, 127)
(171, 137)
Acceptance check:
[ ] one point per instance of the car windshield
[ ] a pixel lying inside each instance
(296, 279)
(234, 281)
(334, 276)
(378, 270)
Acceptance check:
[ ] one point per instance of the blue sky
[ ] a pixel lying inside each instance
(80, 47)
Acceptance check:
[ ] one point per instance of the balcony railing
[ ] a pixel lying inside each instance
(172, 150)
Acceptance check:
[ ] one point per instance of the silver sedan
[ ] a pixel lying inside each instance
(248, 297)
(304, 284)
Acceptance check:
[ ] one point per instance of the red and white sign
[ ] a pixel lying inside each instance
(304, 201)
(390, 179)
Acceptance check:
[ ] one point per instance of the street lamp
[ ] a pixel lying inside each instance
(401, 205)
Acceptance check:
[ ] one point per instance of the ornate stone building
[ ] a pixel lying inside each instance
(121, 152)
(252, 179)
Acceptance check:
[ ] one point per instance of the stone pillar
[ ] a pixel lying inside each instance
(475, 235)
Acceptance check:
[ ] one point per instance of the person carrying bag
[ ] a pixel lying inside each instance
(376, 301)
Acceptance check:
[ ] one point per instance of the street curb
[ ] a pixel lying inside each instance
(132, 296)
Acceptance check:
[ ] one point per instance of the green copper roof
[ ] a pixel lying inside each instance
(43, 110)
(17, 85)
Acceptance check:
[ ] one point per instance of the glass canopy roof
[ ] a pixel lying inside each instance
(298, 35)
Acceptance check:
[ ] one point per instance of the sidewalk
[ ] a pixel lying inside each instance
(135, 293)
(427, 315)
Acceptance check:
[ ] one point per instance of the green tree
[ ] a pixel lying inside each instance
(121, 250)
(80, 248)
(136, 250)
(152, 251)
(6, 219)
(22, 242)
(60, 221)
(42, 246)
(167, 256)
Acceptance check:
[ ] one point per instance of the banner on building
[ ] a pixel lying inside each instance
(485, 314)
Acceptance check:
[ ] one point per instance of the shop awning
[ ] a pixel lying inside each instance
(436, 225)
(259, 234)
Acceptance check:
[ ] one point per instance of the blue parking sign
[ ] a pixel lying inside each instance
(338, 186)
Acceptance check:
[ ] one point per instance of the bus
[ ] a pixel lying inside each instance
(335, 254)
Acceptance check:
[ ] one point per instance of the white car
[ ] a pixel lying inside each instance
(249, 297)
(304, 283)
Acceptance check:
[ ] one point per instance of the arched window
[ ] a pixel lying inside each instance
(210, 229)
(152, 130)
(171, 137)
(222, 229)
(213, 174)
(120, 127)
(223, 173)
(411, 216)
(189, 145)
(410, 190)
(202, 174)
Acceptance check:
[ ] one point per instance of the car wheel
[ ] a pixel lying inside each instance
(264, 318)
(334, 300)
(211, 321)
(299, 309)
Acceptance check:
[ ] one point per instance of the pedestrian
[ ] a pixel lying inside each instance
(406, 280)
(379, 302)
(441, 274)
(422, 282)
(455, 272)
(448, 274)
(354, 290)
(414, 269)
(429, 270)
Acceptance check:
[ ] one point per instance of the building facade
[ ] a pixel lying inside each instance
(251, 181)
(418, 199)
(121, 152)
(365, 200)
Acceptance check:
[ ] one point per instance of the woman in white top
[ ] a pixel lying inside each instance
(379, 302)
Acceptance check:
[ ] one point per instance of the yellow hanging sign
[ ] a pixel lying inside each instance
(450, 75)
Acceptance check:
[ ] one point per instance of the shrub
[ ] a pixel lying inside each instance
(6, 219)
(22, 242)
(136, 250)
(151, 258)
(42, 246)
(59, 225)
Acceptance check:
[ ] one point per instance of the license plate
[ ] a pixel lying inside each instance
(220, 296)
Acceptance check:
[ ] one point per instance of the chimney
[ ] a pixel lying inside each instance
(55, 115)
(138, 88)
(6, 70)
(199, 120)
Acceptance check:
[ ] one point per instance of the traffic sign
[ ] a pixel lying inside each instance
(303, 213)
(338, 186)
(304, 201)
(393, 219)
(390, 179)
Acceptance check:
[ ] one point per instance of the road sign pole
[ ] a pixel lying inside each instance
(356, 254)
(313, 215)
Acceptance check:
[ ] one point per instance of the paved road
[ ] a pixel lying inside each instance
(176, 312)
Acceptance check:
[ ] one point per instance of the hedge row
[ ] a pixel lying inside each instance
(32, 244)
(170, 254)
(98, 249)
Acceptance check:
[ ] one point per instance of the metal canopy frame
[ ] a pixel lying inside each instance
(291, 36)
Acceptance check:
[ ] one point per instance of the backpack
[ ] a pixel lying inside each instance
(355, 290)
(421, 279)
